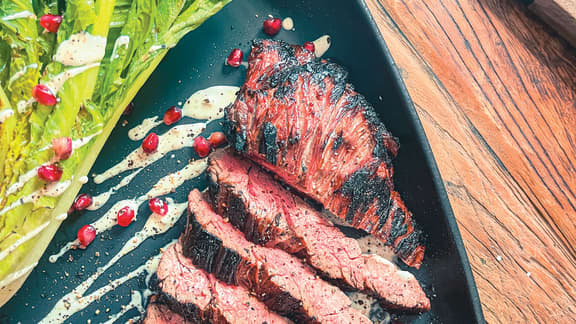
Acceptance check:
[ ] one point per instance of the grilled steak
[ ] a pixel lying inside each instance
(201, 298)
(278, 279)
(297, 117)
(274, 217)
(157, 313)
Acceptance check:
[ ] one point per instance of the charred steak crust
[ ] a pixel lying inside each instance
(272, 216)
(200, 298)
(298, 117)
(274, 234)
(278, 279)
(159, 313)
(268, 144)
(186, 311)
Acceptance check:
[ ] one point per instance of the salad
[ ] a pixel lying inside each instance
(68, 70)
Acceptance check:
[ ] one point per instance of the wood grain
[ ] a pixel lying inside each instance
(560, 14)
(496, 92)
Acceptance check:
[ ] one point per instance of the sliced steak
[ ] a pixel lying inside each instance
(157, 313)
(278, 279)
(274, 217)
(300, 119)
(201, 298)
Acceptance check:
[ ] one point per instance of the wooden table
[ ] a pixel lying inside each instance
(496, 91)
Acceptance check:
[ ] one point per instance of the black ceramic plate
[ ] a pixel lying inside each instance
(197, 63)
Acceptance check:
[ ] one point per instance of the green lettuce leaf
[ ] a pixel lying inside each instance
(138, 34)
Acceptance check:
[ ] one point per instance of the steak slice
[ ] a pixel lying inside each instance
(274, 217)
(157, 313)
(201, 298)
(278, 279)
(300, 119)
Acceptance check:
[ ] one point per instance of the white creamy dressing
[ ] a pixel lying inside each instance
(371, 245)
(139, 132)
(102, 199)
(104, 223)
(23, 105)
(209, 103)
(78, 143)
(288, 23)
(205, 104)
(75, 300)
(176, 138)
(54, 257)
(19, 15)
(80, 49)
(155, 225)
(136, 301)
(5, 114)
(122, 41)
(49, 190)
(24, 178)
(321, 45)
(83, 180)
(174, 180)
(147, 292)
(22, 240)
(57, 82)
(163, 187)
(22, 72)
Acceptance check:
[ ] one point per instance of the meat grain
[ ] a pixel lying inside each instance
(278, 279)
(200, 298)
(272, 216)
(298, 117)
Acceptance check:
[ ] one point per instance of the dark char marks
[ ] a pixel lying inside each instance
(208, 253)
(268, 145)
(363, 188)
(297, 116)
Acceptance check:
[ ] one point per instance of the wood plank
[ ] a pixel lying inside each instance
(496, 93)
(560, 14)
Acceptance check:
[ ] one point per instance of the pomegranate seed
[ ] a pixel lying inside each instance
(158, 206)
(44, 95)
(129, 109)
(272, 26)
(150, 143)
(202, 146)
(82, 202)
(51, 22)
(49, 173)
(125, 216)
(216, 139)
(62, 147)
(172, 115)
(310, 46)
(86, 235)
(235, 58)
